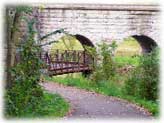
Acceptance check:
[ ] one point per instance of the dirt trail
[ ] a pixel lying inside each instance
(92, 105)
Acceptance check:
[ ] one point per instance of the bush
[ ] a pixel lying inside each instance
(50, 105)
(145, 78)
(25, 92)
(131, 85)
(105, 70)
(19, 101)
(127, 60)
(150, 75)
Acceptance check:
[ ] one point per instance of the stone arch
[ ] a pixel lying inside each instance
(147, 44)
(84, 40)
(87, 42)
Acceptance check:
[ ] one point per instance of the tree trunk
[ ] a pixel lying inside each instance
(12, 23)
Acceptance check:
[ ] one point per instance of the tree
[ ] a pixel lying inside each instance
(13, 35)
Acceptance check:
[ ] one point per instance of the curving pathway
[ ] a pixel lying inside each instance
(87, 104)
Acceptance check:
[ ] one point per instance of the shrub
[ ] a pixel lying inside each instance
(150, 75)
(25, 92)
(131, 84)
(145, 78)
(106, 68)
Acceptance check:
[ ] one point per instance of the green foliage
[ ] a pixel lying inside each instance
(25, 9)
(108, 66)
(144, 80)
(131, 85)
(153, 107)
(50, 105)
(93, 53)
(109, 88)
(127, 60)
(26, 97)
(150, 75)
(73, 80)
(106, 69)
(25, 92)
(91, 50)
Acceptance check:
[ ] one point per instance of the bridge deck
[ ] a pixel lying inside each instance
(67, 62)
(72, 68)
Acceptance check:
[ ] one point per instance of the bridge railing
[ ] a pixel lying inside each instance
(67, 59)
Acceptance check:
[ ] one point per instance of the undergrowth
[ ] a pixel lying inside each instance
(127, 60)
(50, 106)
(25, 98)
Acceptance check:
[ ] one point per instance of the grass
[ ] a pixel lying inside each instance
(127, 60)
(129, 47)
(53, 105)
(152, 106)
(128, 52)
(109, 88)
(73, 80)
(50, 106)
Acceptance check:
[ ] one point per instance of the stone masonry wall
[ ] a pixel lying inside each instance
(98, 22)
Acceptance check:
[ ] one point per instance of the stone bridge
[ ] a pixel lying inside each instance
(97, 22)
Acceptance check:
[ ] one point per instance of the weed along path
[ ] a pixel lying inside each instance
(87, 104)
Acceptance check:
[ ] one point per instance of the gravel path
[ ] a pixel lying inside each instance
(86, 104)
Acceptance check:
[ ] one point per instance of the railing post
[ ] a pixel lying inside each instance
(56, 59)
(93, 62)
(84, 55)
(62, 62)
(65, 58)
(65, 53)
(74, 56)
(57, 55)
(48, 60)
(78, 61)
(74, 60)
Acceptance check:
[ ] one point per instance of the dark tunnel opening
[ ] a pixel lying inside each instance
(147, 43)
(84, 41)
